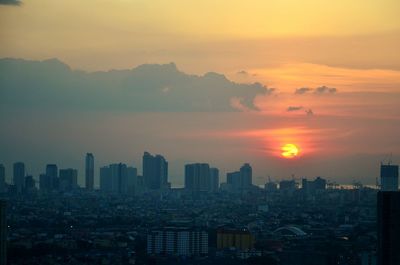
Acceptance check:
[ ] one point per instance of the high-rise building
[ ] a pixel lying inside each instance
(389, 177)
(2, 178)
(118, 178)
(214, 179)
(240, 180)
(68, 179)
(30, 184)
(52, 174)
(155, 171)
(246, 173)
(89, 171)
(3, 233)
(182, 242)
(197, 177)
(388, 208)
(19, 176)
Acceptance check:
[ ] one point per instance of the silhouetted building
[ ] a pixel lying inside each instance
(389, 177)
(3, 233)
(311, 187)
(89, 171)
(118, 178)
(240, 180)
(182, 242)
(155, 171)
(388, 227)
(19, 176)
(30, 184)
(51, 177)
(68, 180)
(197, 177)
(214, 179)
(2, 178)
(246, 173)
(271, 186)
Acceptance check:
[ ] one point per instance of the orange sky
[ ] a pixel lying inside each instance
(350, 47)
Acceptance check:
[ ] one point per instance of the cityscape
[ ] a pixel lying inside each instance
(140, 219)
(212, 132)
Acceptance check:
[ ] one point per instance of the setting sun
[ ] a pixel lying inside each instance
(289, 151)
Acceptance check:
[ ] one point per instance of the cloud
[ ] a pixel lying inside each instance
(294, 108)
(10, 2)
(302, 90)
(52, 84)
(325, 90)
(309, 112)
(242, 72)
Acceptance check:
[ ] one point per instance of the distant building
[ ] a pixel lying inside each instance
(30, 184)
(68, 179)
(214, 179)
(240, 239)
(89, 171)
(389, 177)
(182, 242)
(119, 179)
(388, 208)
(311, 187)
(240, 180)
(3, 233)
(52, 177)
(19, 176)
(246, 173)
(155, 171)
(2, 178)
(197, 177)
(271, 186)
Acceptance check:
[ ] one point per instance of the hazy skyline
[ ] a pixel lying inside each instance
(246, 79)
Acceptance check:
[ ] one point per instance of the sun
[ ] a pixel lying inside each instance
(289, 151)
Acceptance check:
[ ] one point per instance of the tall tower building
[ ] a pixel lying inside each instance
(89, 171)
(19, 176)
(246, 173)
(52, 176)
(155, 171)
(197, 177)
(389, 177)
(68, 179)
(2, 178)
(3, 233)
(388, 227)
(214, 179)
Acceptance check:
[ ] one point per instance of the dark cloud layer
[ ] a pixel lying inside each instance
(10, 2)
(52, 84)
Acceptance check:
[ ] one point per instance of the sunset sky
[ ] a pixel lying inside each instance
(330, 69)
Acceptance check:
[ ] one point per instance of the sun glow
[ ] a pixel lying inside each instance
(289, 151)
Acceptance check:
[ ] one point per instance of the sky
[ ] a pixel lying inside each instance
(323, 75)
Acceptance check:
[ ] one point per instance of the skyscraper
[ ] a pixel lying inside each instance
(89, 171)
(155, 171)
(19, 176)
(52, 175)
(197, 177)
(118, 178)
(2, 178)
(68, 179)
(389, 177)
(3, 233)
(246, 173)
(214, 179)
(388, 227)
